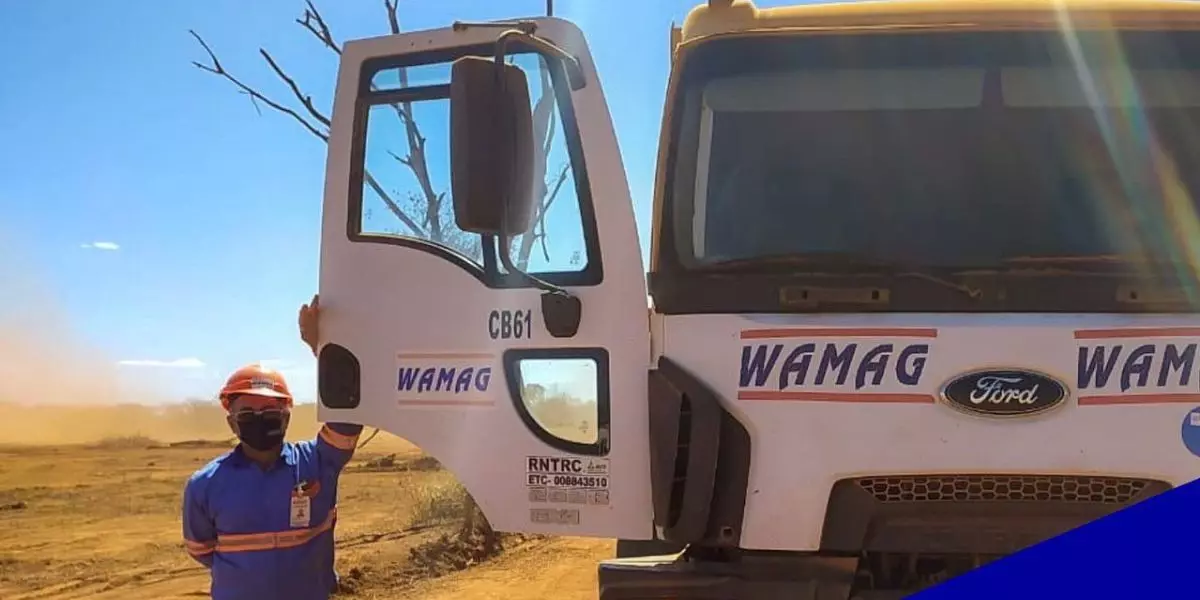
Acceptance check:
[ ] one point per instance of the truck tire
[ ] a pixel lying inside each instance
(633, 548)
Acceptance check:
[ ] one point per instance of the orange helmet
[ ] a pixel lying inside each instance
(255, 380)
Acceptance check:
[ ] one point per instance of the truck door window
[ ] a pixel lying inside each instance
(562, 395)
(401, 193)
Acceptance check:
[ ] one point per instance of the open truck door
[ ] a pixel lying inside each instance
(523, 374)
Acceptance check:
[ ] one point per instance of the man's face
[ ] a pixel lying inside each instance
(247, 406)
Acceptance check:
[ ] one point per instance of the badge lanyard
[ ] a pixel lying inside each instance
(301, 510)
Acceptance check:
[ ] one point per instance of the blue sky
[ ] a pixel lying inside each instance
(149, 216)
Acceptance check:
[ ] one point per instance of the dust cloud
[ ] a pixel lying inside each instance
(31, 424)
(55, 388)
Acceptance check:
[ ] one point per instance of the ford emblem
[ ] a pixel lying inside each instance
(1004, 392)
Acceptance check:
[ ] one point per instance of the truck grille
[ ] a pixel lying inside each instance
(1003, 488)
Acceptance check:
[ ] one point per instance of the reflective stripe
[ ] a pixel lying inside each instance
(199, 548)
(247, 542)
(340, 441)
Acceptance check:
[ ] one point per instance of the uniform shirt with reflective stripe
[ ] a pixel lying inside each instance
(237, 519)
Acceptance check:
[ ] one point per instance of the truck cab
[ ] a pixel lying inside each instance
(922, 287)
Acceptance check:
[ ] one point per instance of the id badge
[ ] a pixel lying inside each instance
(301, 511)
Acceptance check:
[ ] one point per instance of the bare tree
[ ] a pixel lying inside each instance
(423, 212)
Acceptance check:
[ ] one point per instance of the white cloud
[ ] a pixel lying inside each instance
(179, 363)
(101, 246)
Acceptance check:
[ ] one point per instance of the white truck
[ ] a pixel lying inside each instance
(922, 284)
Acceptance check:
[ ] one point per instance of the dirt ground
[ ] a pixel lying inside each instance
(101, 520)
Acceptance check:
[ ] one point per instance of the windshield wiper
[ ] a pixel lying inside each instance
(801, 258)
(1085, 261)
(1068, 259)
(840, 260)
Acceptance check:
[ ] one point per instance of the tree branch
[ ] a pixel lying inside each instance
(318, 123)
(544, 132)
(415, 160)
(562, 178)
(391, 204)
(543, 111)
(393, 22)
(541, 219)
(315, 24)
(534, 235)
(304, 99)
(217, 69)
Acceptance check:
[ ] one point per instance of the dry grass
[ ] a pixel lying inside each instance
(128, 442)
(440, 500)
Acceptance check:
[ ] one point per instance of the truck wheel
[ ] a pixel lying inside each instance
(632, 548)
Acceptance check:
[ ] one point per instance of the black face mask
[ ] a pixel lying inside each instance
(261, 432)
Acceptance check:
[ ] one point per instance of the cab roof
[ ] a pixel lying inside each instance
(734, 16)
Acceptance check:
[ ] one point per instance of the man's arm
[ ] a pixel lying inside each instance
(199, 531)
(336, 443)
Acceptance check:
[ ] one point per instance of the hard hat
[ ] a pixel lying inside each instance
(255, 380)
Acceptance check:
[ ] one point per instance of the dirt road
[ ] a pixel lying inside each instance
(102, 522)
(561, 568)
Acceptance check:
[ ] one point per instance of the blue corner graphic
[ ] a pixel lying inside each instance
(1191, 431)
(1149, 550)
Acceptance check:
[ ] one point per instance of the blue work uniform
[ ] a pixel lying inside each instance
(268, 533)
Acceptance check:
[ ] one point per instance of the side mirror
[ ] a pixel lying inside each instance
(491, 147)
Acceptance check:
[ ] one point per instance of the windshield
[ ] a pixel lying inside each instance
(962, 151)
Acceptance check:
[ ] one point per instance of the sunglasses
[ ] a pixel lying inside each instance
(260, 407)
(247, 413)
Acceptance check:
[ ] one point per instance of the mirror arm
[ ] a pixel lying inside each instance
(562, 311)
(507, 262)
(524, 25)
(571, 64)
